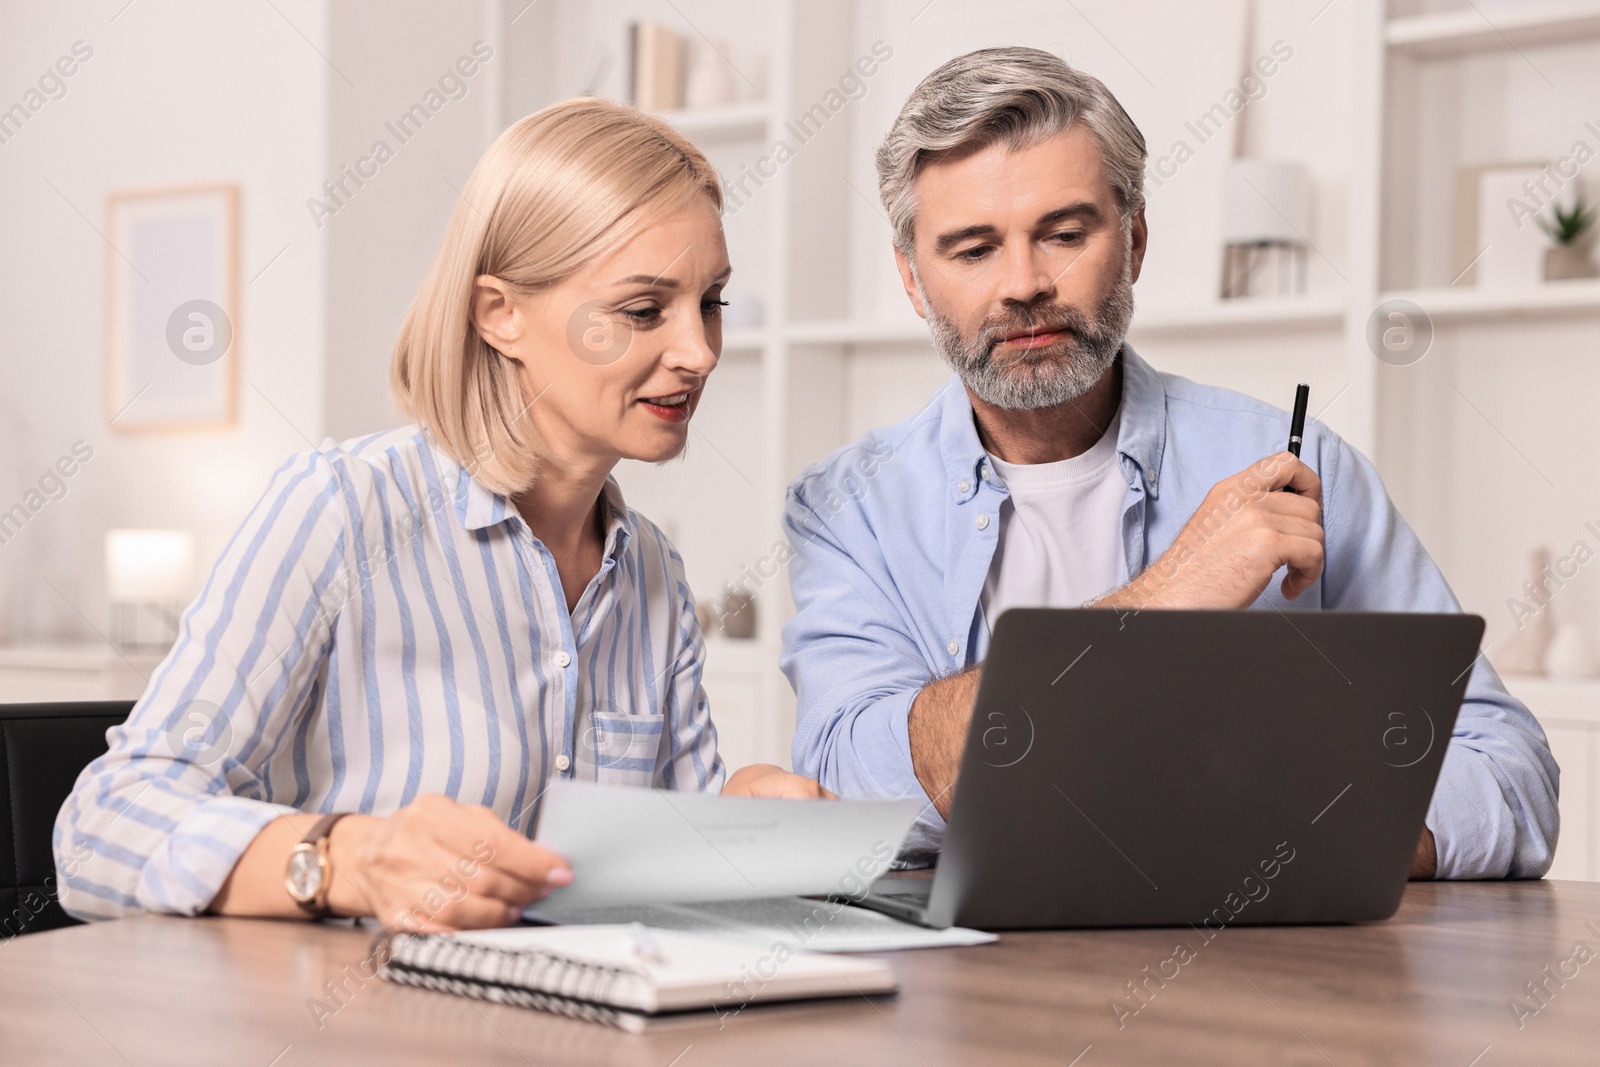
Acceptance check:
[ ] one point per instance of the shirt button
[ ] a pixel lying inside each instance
(964, 485)
(955, 646)
(561, 658)
(562, 762)
(983, 522)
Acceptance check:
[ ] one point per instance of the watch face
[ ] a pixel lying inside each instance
(304, 876)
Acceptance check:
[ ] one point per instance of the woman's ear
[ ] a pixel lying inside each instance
(494, 314)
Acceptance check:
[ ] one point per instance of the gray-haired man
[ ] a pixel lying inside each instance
(1057, 468)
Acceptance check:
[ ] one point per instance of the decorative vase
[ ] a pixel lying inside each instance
(1569, 261)
(1571, 654)
(1525, 652)
(739, 616)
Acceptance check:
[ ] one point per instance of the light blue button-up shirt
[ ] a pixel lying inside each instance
(890, 557)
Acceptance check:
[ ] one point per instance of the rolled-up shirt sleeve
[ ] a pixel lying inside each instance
(855, 668)
(1493, 813)
(159, 821)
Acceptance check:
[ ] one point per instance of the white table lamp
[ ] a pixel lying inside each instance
(1266, 214)
(148, 572)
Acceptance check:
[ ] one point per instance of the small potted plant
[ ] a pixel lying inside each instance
(1571, 232)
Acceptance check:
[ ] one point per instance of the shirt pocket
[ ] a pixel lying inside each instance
(626, 747)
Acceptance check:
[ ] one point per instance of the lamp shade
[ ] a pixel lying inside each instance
(149, 566)
(1265, 200)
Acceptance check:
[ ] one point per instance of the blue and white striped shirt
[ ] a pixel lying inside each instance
(382, 626)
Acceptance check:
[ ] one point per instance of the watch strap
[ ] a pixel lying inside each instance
(323, 827)
(317, 838)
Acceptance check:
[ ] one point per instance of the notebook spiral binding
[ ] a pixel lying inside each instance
(525, 978)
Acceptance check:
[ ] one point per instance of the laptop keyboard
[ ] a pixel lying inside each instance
(915, 891)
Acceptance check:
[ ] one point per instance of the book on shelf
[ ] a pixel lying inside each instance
(656, 61)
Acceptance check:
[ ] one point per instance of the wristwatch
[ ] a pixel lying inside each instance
(309, 876)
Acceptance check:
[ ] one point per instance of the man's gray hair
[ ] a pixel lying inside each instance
(1013, 96)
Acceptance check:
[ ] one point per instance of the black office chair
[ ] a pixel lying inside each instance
(42, 749)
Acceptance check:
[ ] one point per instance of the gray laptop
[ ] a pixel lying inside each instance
(1193, 767)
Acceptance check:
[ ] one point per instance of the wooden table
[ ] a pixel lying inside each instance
(1431, 986)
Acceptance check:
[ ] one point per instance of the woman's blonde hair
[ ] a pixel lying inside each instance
(560, 189)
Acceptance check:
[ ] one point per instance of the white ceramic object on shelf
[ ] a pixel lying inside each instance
(1571, 654)
(1526, 651)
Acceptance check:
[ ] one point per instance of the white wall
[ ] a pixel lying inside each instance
(276, 99)
(391, 56)
(175, 92)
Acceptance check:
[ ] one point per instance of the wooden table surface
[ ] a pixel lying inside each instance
(1433, 985)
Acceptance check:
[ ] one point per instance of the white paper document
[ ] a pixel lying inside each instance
(631, 846)
(813, 925)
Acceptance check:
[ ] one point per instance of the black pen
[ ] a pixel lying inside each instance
(1297, 424)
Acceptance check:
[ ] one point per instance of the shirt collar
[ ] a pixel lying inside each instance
(1140, 440)
(477, 507)
(1143, 437)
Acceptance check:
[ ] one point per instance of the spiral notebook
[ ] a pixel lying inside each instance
(623, 975)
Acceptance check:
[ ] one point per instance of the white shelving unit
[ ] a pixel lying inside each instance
(751, 339)
(1447, 84)
(1471, 304)
(1234, 316)
(1221, 317)
(859, 332)
(731, 122)
(1474, 29)
(50, 673)
(1569, 711)
(1429, 86)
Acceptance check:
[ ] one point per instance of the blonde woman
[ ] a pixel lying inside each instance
(413, 634)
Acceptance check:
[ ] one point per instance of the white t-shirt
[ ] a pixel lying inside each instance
(1060, 531)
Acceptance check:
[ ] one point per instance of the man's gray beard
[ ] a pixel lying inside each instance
(1026, 382)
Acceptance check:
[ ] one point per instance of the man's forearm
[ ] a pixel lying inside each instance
(938, 731)
(1425, 864)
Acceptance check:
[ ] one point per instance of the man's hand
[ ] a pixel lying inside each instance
(1241, 534)
(438, 865)
(769, 780)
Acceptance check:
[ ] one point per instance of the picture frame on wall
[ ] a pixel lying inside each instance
(172, 308)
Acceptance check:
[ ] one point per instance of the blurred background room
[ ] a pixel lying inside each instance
(214, 215)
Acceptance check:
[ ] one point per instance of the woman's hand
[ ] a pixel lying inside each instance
(768, 780)
(438, 865)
